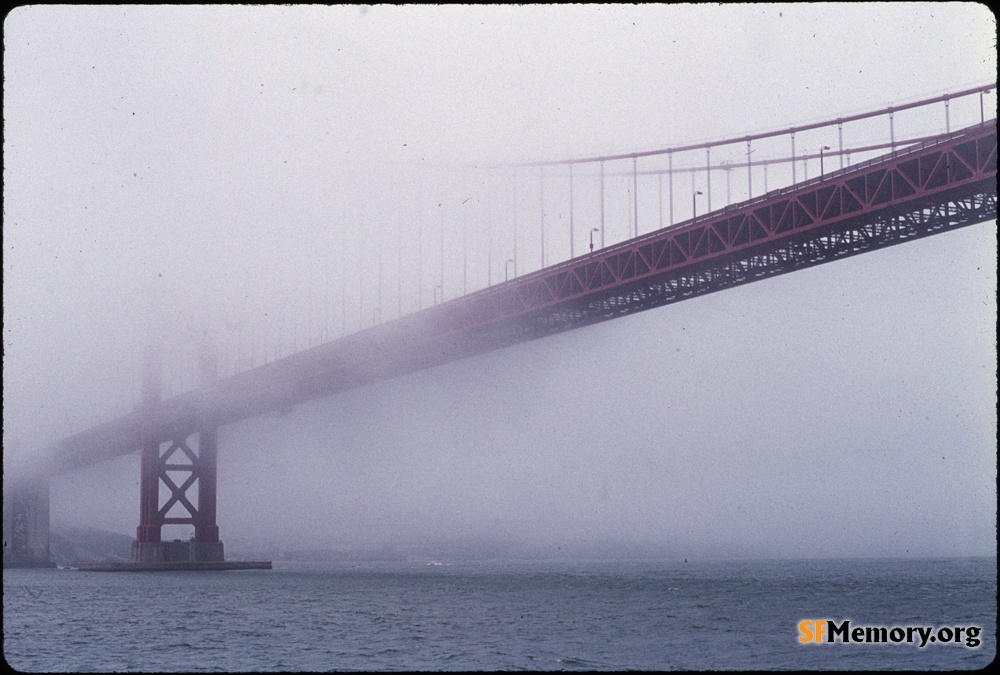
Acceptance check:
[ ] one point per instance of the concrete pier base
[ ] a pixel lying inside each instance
(216, 566)
(176, 556)
(177, 551)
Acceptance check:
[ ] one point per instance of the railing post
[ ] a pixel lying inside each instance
(635, 196)
(541, 208)
(602, 203)
(840, 139)
(793, 159)
(670, 172)
(892, 132)
(708, 178)
(571, 247)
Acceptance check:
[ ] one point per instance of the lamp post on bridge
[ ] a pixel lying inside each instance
(694, 202)
(592, 230)
(825, 147)
(506, 268)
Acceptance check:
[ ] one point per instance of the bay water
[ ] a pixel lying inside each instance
(475, 615)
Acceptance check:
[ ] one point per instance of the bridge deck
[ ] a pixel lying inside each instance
(935, 186)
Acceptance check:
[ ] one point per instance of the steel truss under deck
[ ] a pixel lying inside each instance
(923, 190)
(793, 255)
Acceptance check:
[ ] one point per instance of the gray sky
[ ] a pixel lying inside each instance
(173, 173)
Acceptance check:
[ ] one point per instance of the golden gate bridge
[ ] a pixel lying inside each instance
(889, 186)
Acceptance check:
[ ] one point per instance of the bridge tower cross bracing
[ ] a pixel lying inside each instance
(191, 452)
